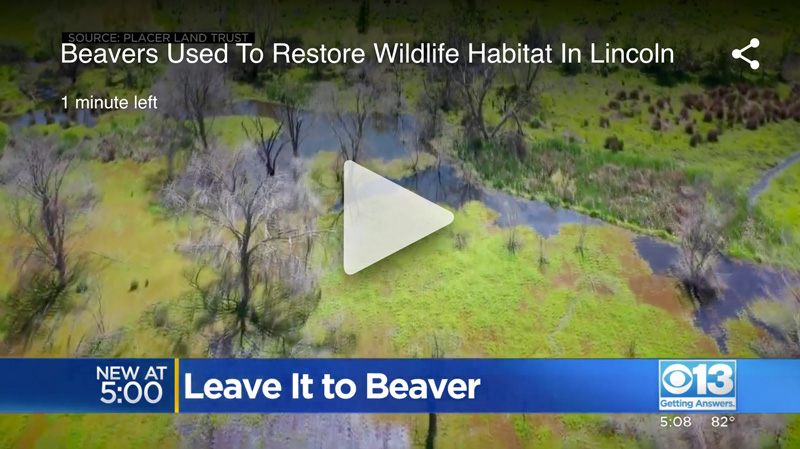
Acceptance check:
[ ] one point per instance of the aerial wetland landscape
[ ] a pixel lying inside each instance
(602, 210)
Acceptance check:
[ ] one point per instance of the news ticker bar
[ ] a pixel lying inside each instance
(398, 386)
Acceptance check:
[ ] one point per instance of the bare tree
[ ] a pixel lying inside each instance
(133, 18)
(441, 346)
(52, 23)
(782, 318)
(48, 34)
(292, 104)
(524, 75)
(411, 140)
(437, 352)
(700, 229)
(398, 88)
(350, 109)
(475, 80)
(255, 227)
(172, 137)
(260, 17)
(210, 15)
(43, 208)
(193, 92)
(519, 98)
(431, 102)
(268, 146)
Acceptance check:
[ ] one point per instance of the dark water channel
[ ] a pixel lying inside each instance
(763, 182)
(82, 117)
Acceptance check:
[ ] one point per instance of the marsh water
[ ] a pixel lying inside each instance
(83, 117)
(445, 184)
(763, 182)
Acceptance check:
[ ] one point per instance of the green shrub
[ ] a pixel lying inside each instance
(629, 188)
(26, 309)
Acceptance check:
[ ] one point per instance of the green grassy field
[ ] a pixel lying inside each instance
(480, 300)
(87, 431)
(780, 203)
(574, 106)
(498, 304)
(13, 102)
(123, 241)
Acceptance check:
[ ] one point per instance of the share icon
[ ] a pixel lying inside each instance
(737, 53)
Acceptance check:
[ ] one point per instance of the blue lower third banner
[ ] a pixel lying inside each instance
(398, 386)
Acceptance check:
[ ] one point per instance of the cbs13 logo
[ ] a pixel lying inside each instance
(697, 378)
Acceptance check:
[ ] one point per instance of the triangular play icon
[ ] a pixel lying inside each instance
(381, 218)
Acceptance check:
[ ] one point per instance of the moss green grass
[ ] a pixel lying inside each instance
(125, 241)
(87, 431)
(780, 205)
(571, 105)
(12, 101)
(229, 131)
(482, 301)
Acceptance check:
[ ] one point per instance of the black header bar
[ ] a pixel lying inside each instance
(159, 37)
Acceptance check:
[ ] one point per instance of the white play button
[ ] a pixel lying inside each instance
(381, 218)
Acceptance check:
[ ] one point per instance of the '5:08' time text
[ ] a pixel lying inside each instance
(686, 421)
